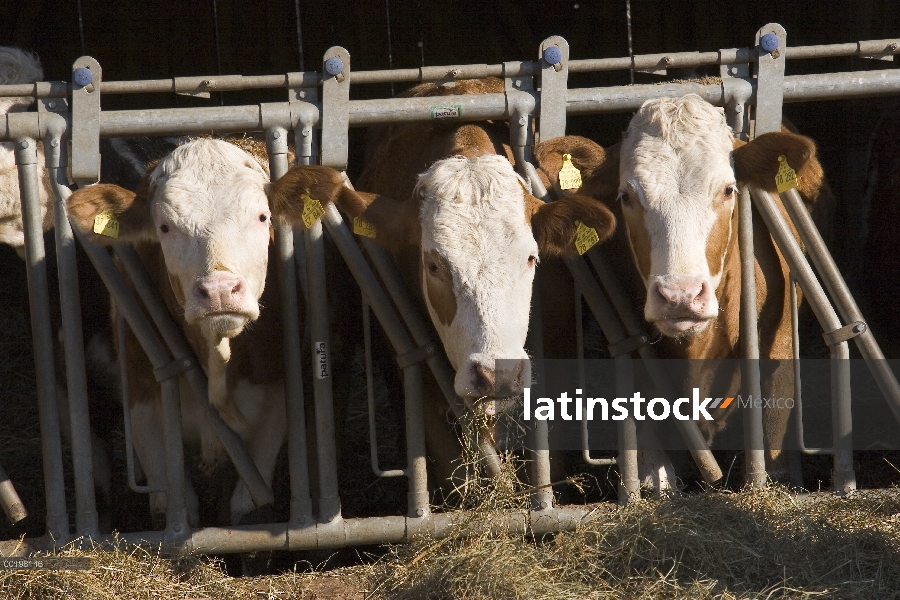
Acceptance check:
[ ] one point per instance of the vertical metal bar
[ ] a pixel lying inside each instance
(416, 472)
(76, 380)
(554, 78)
(329, 501)
(538, 430)
(335, 107)
(42, 339)
(370, 397)
(770, 79)
(842, 426)
(298, 466)
(754, 452)
(817, 250)
(9, 499)
(177, 528)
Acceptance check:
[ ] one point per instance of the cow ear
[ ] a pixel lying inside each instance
(555, 224)
(599, 168)
(395, 223)
(756, 163)
(324, 184)
(88, 208)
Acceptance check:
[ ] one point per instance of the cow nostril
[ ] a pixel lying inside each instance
(203, 292)
(483, 380)
(237, 288)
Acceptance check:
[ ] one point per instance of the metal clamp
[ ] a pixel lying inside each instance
(629, 345)
(416, 355)
(845, 333)
(85, 138)
(173, 369)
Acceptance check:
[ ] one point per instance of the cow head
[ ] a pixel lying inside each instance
(480, 234)
(676, 176)
(210, 206)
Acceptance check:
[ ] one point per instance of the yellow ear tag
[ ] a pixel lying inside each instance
(585, 237)
(787, 177)
(569, 175)
(312, 210)
(105, 223)
(365, 228)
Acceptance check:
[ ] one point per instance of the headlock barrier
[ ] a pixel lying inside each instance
(536, 102)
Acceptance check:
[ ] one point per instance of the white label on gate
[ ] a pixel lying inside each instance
(446, 112)
(321, 364)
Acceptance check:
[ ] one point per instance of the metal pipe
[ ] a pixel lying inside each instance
(579, 352)
(174, 338)
(9, 499)
(370, 397)
(754, 451)
(840, 293)
(416, 470)
(126, 411)
(298, 465)
(538, 431)
(798, 396)
(176, 510)
(42, 339)
(842, 425)
(693, 438)
(329, 501)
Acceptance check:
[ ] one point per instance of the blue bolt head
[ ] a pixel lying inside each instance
(83, 76)
(334, 65)
(769, 42)
(552, 55)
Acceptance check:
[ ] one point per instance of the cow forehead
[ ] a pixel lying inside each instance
(473, 205)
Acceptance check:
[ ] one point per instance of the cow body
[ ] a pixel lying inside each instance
(675, 179)
(201, 219)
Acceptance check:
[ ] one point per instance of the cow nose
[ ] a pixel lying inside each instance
(502, 378)
(222, 292)
(686, 292)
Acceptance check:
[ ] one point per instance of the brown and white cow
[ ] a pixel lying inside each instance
(674, 180)
(468, 234)
(202, 223)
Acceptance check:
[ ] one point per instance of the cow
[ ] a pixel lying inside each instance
(445, 199)
(673, 183)
(201, 220)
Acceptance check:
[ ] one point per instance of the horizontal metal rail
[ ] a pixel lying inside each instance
(643, 62)
(341, 533)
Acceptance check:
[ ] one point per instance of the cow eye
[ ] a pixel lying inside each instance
(164, 228)
(625, 198)
(432, 268)
(729, 191)
(262, 218)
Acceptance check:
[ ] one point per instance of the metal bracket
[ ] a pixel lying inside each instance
(85, 138)
(877, 49)
(301, 100)
(629, 345)
(173, 369)
(845, 333)
(416, 355)
(735, 77)
(554, 79)
(520, 104)
(770, 81)
(335, 108)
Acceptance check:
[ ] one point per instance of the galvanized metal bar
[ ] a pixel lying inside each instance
(177, 527)
(9, 499)
(842, 425)
(521, 100)
(837, 288)
(422, 336)
(326, 454)
(85, 159)
(798, 396)
(298, 466)
(770, 78)
(538, 431)
(416, 469)
(579, 352)
(42, 339)
(335, 107)
(754, 450)
(370, 397)
(554, 79)
(260, 492)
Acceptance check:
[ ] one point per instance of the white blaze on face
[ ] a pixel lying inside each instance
(677, 187)
(212, 219)
(477, 268)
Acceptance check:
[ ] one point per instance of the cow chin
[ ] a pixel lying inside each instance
(222, 324)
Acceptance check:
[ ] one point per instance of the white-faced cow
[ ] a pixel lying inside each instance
(468, 234)
(202, 222)
(674, 180)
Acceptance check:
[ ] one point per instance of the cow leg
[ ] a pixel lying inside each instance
(268, 431)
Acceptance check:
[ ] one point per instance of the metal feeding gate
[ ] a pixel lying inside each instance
(536, 91)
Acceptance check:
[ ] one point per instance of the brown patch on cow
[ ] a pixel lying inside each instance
(638, 237)
(719, 237)
(130, 209)
(756, 162)
(439, 286)
(553, 223)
